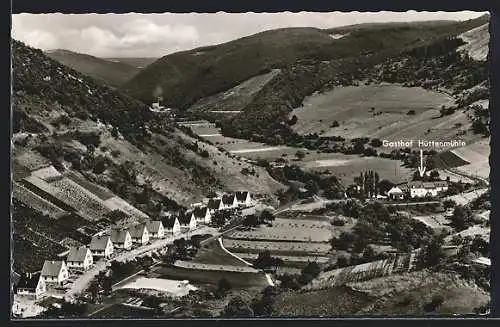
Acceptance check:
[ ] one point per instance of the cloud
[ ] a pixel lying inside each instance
(155, 35)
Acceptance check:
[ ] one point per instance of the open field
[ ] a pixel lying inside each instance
(276, 247)
(346, 167)
(477, 155)
(237, 97)
(352, 107)
(199, 277)
(433, 221)
(217, 256)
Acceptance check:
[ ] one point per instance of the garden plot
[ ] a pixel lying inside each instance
(288, 230)
(296, 248)
(36, 202)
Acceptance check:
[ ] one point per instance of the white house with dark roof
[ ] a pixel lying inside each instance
(171, 225)
(55, 272)
(32, 285)
(202, 215)
(155, 229)
(229, 201)
(396, 193)
(101, 246)
(139, 234)
(80, 258)
(215, 205)
(243, 199)
(121, 239)
(187, 220)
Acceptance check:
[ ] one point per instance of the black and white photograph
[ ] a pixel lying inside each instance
(250, 165)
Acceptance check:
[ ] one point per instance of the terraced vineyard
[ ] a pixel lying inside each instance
(36, 202)
(71, 195)
(97, 190)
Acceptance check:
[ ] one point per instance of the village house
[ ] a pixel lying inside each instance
(121, 239)
(55, 272)
(202, 215)
(32, 285)
(171, 225)
(215, 205)
(187, 220)
(229, 201)
(139, 234)
(80, 258)
(244, 199)
(155, 229)
(102, 246)
(395, 193)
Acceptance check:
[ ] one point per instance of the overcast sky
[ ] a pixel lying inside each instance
(156, 35)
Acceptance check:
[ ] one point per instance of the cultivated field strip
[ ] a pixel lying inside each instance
(117, 203)
(32, 160)
(248, 246)
(286, 258)
(212, 267)
(36, 202)
(48, 174)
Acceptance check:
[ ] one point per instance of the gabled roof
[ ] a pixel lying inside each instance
(429, 185)
(99, 242)
(169, 222)
(228, 199)
(185, 218)
(29, 281)
(214, 203)
(395, 189)
(200, 212)
(241, 196)
(119, 235)
(77, 254)
(415, 184)
(52, 268)
(154, 226)
(441, 183)
(137, 230)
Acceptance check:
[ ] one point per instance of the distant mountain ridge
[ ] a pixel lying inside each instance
(113, 73)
